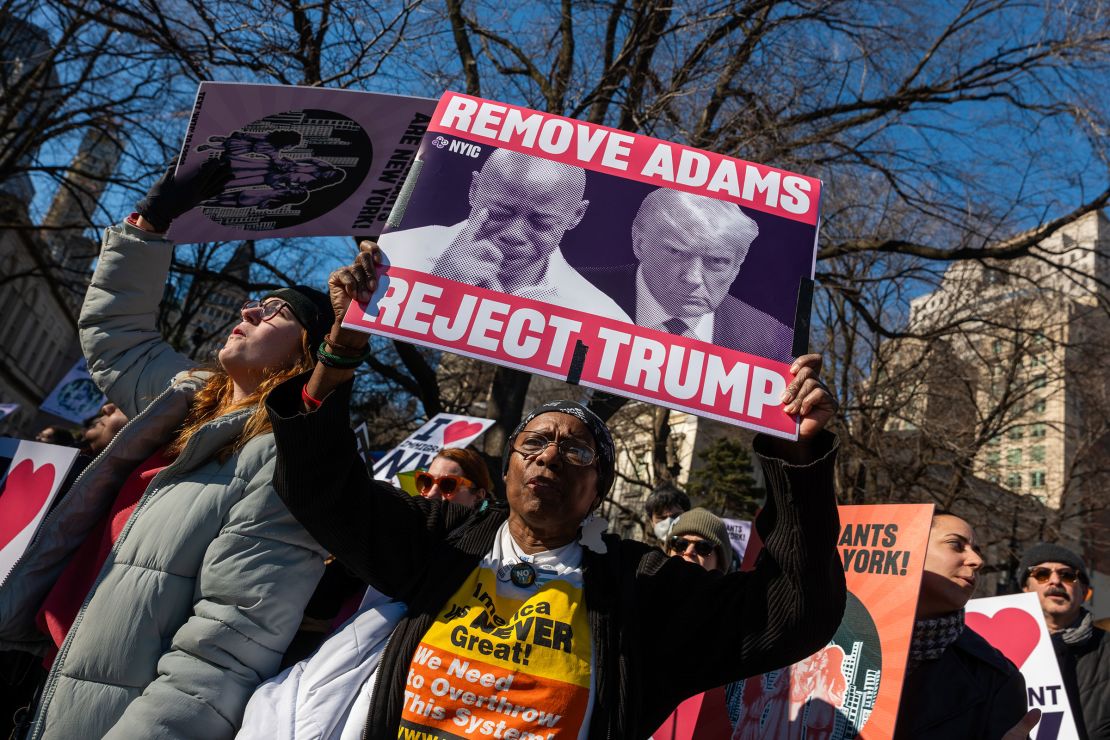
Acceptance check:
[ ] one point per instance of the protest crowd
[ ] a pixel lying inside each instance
(220, 563)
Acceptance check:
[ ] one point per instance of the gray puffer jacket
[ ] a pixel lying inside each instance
(205, 586)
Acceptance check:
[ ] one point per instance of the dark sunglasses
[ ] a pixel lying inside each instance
(701, 547)
(1041, 575)
(270, 309)
(449, 485)
(531, 444)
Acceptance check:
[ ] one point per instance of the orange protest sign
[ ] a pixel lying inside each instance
(851, 687)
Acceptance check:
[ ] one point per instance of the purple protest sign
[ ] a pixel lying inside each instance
(306, 161)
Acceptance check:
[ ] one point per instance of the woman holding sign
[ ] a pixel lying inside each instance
(168, 582)
(524, 620)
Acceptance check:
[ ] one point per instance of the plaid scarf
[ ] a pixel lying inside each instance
(931, 637)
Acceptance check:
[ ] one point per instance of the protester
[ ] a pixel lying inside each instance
(456, 475)
(102, 428)
(527, 599)
(320, 694)
(55, 435)
(1060, 579)
(662, 507)
(702, 539)
(169, 581)
(957, 685)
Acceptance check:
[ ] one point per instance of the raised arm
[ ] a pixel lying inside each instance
(127, 356)
(790, 605)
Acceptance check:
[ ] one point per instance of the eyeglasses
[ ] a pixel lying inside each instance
(449, 485)
(701, 547)
(270, 309)
(1041, 575)
(531, 444)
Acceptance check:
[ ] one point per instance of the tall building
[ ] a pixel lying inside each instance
(1019, 381)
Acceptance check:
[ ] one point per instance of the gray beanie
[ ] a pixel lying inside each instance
(710, 528)
(1047, 552)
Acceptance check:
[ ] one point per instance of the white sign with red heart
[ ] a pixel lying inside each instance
(417, 451)
(30, 475)
(1015, 626)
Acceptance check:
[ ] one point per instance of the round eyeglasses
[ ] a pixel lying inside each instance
(269, 309)
(531, 444)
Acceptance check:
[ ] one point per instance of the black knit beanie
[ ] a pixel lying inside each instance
(603, 441)
(1047, 552)
(311, 308)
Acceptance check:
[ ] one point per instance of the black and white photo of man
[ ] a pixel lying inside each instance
(520, 208)
(689, 249)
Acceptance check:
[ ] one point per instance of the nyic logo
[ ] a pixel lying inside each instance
(439, 142)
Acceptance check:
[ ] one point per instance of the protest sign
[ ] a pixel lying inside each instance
(7, 409)
(76, 397)
(30, 475)
(851, 687)
(1015, 626)
(519, 240)
(418, 449)
(738, 533)
(305, 161)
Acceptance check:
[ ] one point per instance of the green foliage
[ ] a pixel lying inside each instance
(723, 481)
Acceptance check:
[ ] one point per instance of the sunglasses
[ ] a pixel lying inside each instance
(449, 485)
(701, 547)
(531, 444)
(1041, 575)
(270, 309)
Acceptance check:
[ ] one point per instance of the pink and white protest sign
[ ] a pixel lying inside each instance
(418, 449)
(1015, 626)
(31, 473)
(614, 260)
(305, 161)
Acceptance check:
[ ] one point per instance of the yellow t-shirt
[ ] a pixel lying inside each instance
(506, 661)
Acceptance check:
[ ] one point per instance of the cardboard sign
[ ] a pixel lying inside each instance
(76, 397)
(418, 449)
(851, 687)
(618, 261)
(739, 531)
(31, 473)
(306, 161)
(1015, 626)
(7, 409)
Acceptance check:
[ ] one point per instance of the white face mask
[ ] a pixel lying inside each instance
(663, 527)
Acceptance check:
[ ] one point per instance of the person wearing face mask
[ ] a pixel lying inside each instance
(523, 617)
(1059, 578)
(665, 504)
(957, 685)
(168, 582)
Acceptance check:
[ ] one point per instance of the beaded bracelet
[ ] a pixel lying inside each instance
(327, 359)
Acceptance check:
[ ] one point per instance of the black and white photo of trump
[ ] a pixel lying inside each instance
(689, 249)
(520, 208)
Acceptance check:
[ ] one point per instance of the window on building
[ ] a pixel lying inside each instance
(996, 346)
(1039, 406)
(1016, 433)
(1040, 381)
(1036, 454)
(993, 458)
(1013, 481)
(1038, 430)
(1013, 457)
(1036, 479)
(993, 477)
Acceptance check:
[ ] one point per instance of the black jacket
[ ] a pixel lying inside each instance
(971, 691)
(662, 629)
(1085, 669)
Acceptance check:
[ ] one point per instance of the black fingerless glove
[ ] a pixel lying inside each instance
(172, 196)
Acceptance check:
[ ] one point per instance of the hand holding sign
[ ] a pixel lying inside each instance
(808, 396)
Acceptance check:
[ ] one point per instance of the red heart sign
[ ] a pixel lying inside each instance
(24, 493)
(1012, 631)
(460, 430)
